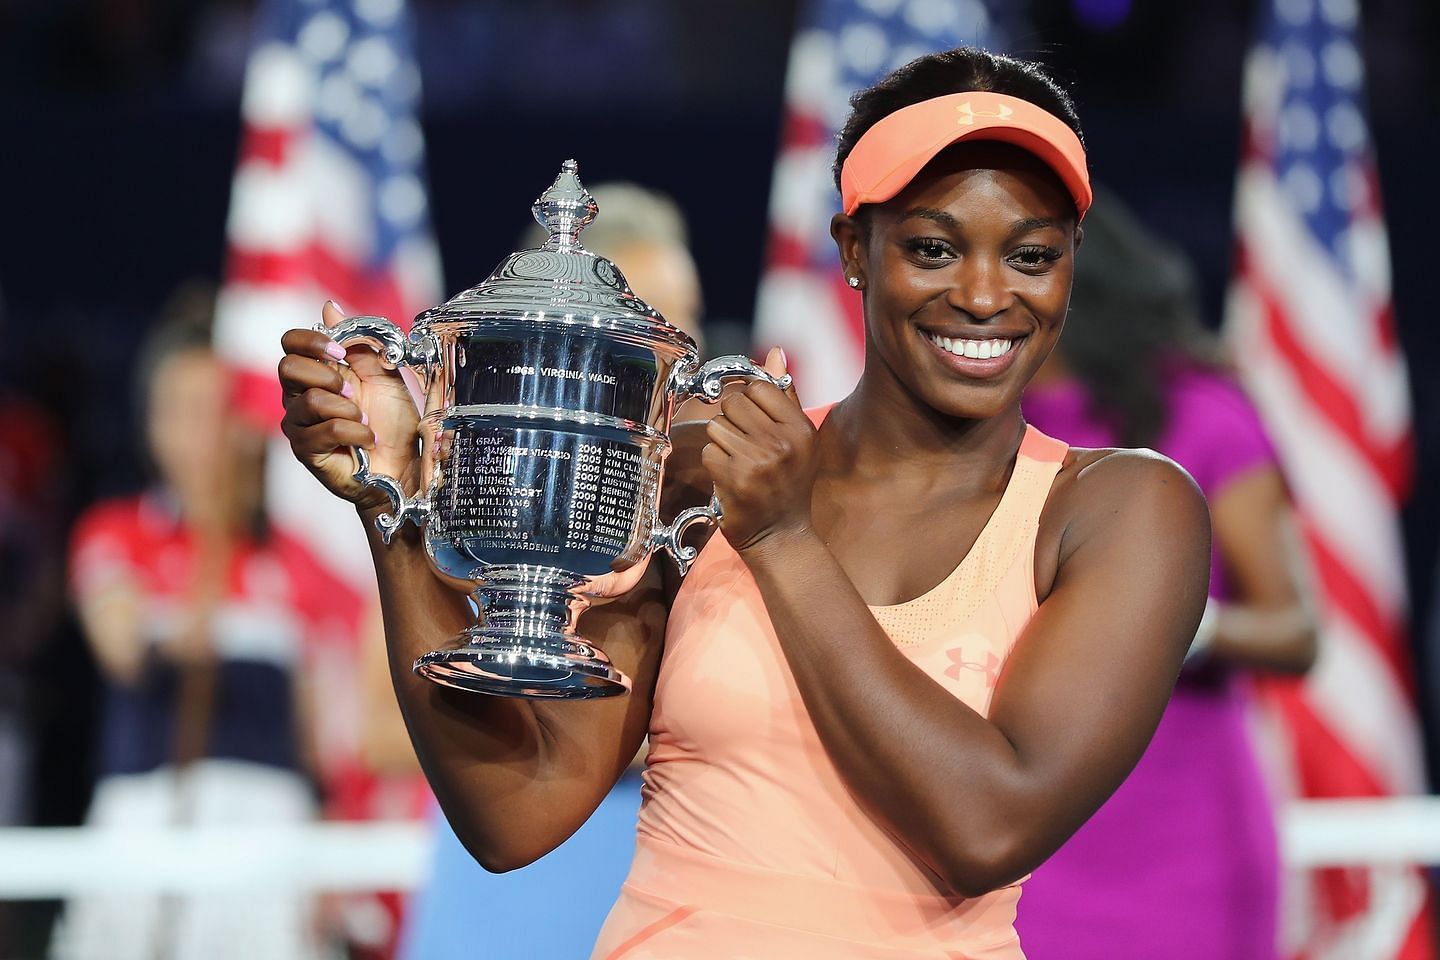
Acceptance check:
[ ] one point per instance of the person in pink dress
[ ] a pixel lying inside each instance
(1136, 368)
(898, 679)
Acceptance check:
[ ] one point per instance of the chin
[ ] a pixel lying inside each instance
(971, 403)
(975, 399)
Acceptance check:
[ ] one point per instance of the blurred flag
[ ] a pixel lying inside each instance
(1312, 332)
(840, 46)
(328, 201)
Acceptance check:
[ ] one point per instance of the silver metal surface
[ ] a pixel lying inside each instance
(419, 352)
(549, 393)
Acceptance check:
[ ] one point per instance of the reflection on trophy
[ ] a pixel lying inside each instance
(549, 393)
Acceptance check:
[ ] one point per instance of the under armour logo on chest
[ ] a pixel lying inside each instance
(991, 666)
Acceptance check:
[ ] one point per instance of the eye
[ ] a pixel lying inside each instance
(1035, 258)
(929, 249)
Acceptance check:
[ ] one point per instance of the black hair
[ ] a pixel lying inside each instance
(952, 71)
(1134, 315)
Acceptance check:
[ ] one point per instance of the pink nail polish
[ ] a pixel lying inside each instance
(346, 390)
(364, 419)
(335, 350)
(336, 305)
(783, 362)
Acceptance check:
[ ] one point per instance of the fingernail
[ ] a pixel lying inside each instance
(336, 305)
(364, 419)
(346, 390)
(335, 350)
(783, 362)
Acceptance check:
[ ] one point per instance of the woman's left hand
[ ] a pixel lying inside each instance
(761, 457)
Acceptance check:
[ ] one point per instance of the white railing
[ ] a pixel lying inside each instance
(1344, 833)
(54, 862)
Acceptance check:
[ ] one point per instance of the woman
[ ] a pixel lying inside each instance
(198, 617)
(1135, 368)
(899, 679)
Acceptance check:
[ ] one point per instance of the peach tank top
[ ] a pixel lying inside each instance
(749, 843)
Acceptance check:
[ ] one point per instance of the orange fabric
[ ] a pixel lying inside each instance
(749, 842)
(898, 146)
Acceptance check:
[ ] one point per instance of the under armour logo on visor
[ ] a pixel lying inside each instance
(969, 113)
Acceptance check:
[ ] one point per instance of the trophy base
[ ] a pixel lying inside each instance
(534, 668)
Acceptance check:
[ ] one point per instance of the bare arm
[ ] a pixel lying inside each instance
(110, 619)
(384, 743)
(1079, 697)
(514, 777)
(1267, 624)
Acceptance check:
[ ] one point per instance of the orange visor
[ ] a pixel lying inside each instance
(896, 148)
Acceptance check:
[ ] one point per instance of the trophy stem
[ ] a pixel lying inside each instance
(526, 646)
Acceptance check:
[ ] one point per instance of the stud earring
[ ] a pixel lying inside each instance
(854, 282)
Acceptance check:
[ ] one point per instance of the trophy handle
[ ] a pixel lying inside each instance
(419, 350)
(669, 538)
(710, 377)
(706, 382)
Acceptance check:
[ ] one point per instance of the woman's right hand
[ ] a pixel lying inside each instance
(331, 407)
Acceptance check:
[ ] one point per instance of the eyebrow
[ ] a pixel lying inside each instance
(948, 221)
(1033, 223)
(929, 213)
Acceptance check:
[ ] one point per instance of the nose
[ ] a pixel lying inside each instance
(980, 287)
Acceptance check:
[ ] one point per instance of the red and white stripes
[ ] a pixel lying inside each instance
(1312, 335)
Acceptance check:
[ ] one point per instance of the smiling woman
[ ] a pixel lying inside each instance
(967, 270)
(900, 679)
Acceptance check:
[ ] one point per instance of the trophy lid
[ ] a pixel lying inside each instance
(560, 281)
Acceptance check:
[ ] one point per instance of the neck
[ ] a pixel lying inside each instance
(210, 513)
(882, 430)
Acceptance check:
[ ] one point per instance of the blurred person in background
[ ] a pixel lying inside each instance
(198, 614)
(1136, 368)
(31, 600)
(644, 233)
(457, 908)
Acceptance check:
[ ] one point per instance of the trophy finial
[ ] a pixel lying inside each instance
(565, 209)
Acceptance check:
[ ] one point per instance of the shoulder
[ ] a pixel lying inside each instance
(1093, 476)
(1112, 466)
(1119, 498)
(107, 538)
(116, 517)
(1112, 481)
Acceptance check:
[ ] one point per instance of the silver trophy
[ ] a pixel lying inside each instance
(549, 392)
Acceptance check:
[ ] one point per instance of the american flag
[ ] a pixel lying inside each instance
(1310, 323)
(329, 200)
(840, 46)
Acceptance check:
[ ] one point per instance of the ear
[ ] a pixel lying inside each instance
(1079, 235)
(849, 235)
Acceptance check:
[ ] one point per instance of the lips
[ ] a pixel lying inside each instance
(975, 357)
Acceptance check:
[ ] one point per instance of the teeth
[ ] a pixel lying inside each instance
(974, 349)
